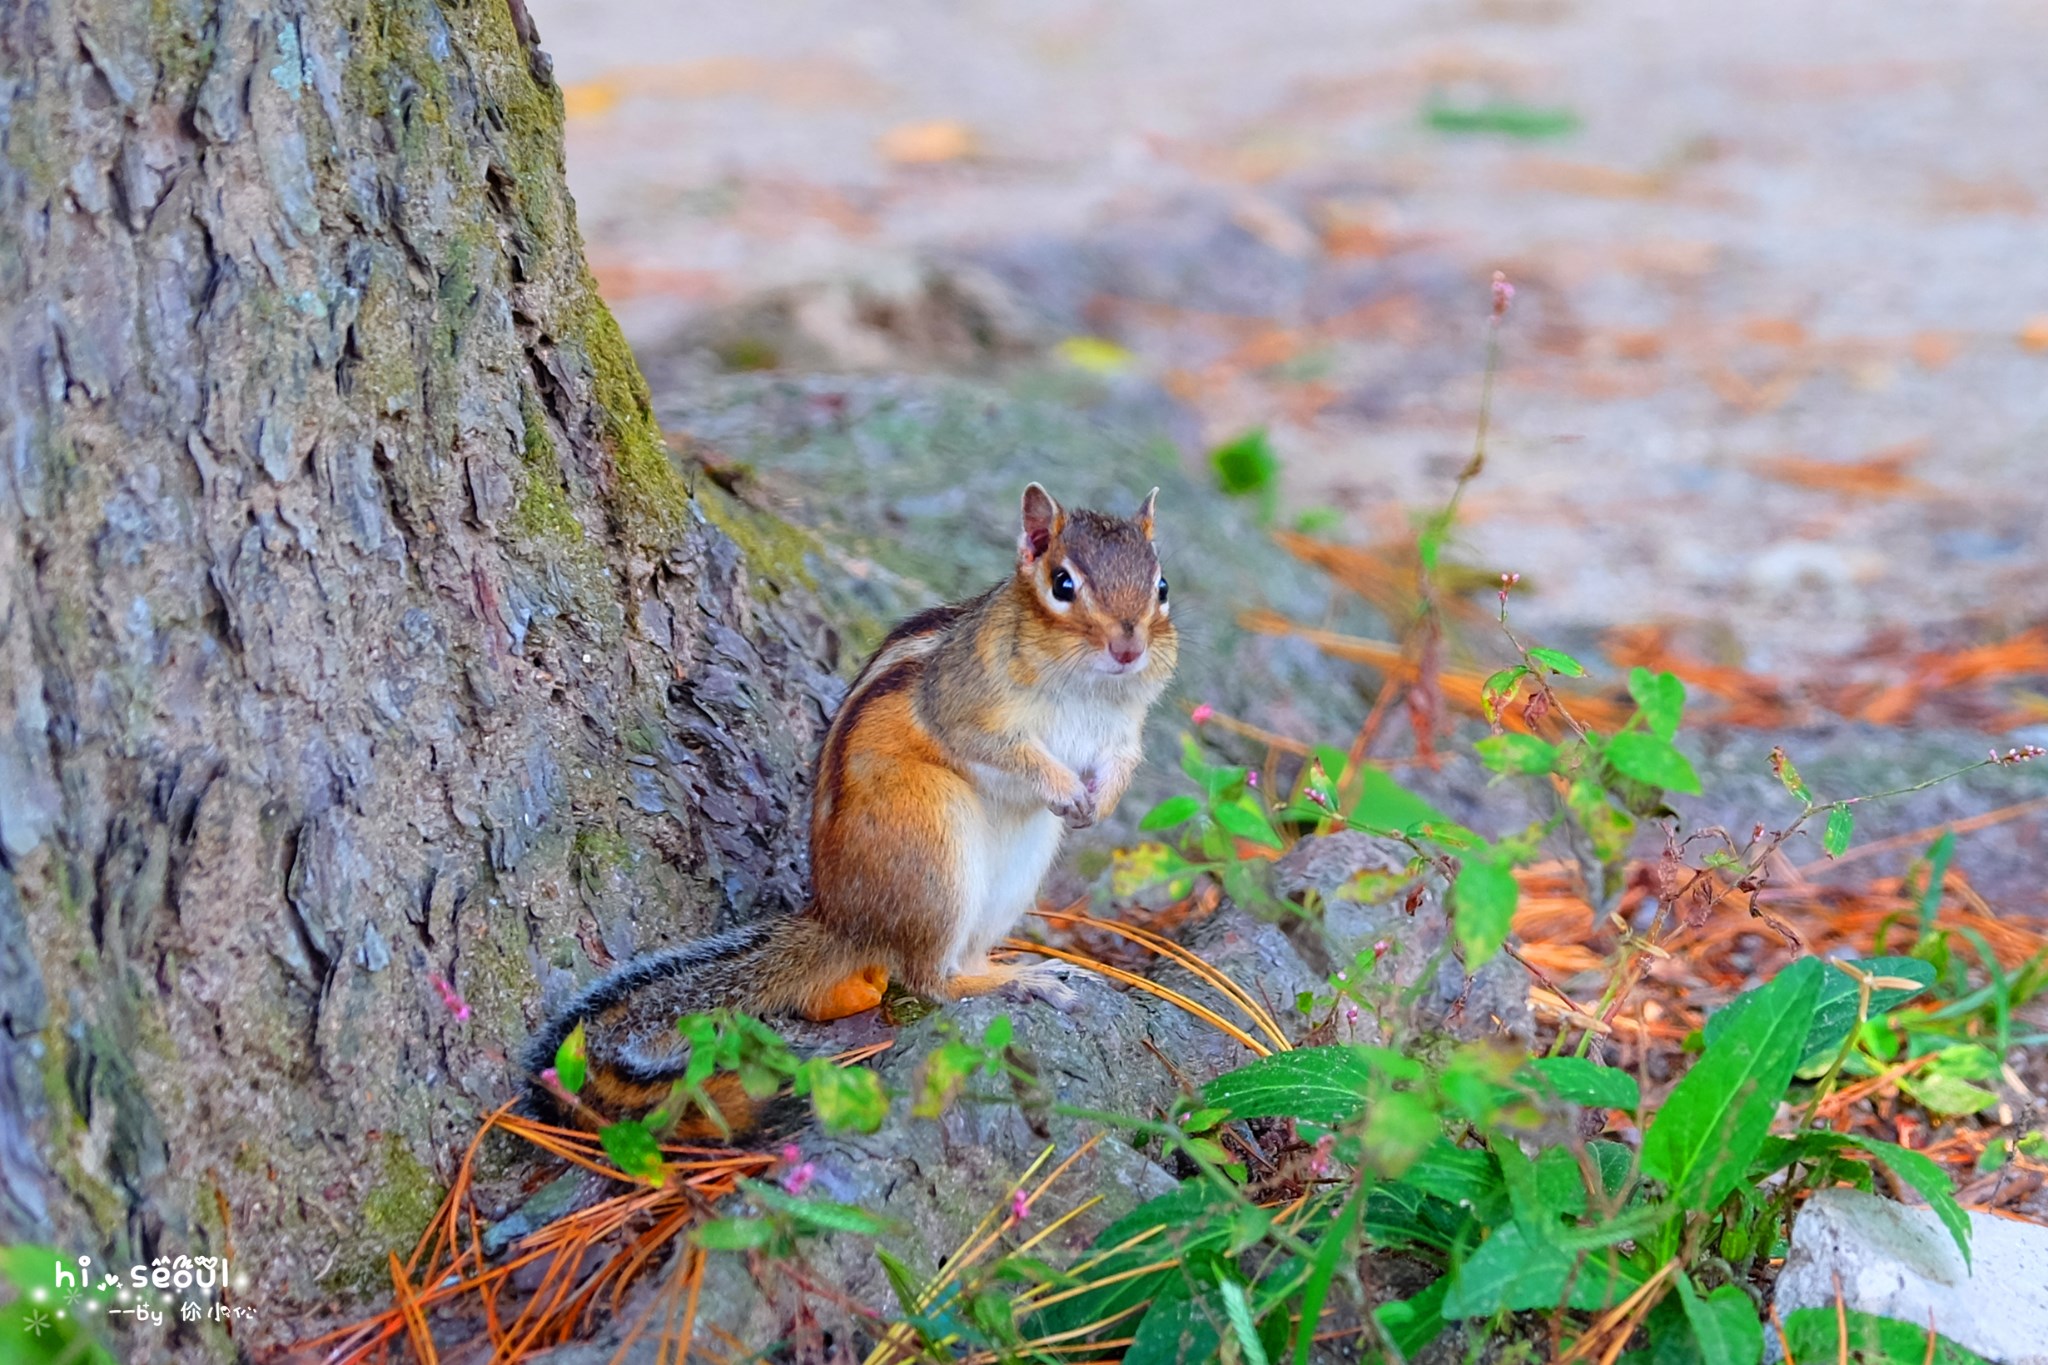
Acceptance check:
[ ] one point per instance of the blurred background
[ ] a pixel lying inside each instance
(1776, 377)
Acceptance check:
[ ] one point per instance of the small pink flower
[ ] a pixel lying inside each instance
(1251, 779)
(1503, 293)
(799, 1173)
(1202, 713)
(1351, 1015)
(452, 998)
(1319, 1158)
(552, 1079)
(1020, 1207)
(1379, 949)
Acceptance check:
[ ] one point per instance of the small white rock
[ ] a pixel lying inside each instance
(1899, 1262)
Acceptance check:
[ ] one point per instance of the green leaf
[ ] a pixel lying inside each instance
(1660, 697)
(1503, 117)
(818, 1213)
(901, 1280)
(1789, 775)
(1467, 1177)
(1517, 1267)
(846, 1096)
(1557, 661)
(1385, 805)
(1246, 465)
(1715, 1120)
(572, 1059)
(1239, 1311)
(1815, 1334)
(1937, 861)
(1652, 759)
(634, 1151)
(1943, 1093)
(1499, 689)
(735, 1234)
(1724, 1324)
(998, 1034)
(1834, 1008)
(1414, 1322)
(1325, 1085)
(1925, 1175)
(1580, 1081)
(1331, 1250)
(1484, 897)
(1513, 753)
(1174, 810)
(1174, 1331)
(1841, 824)
(1247, 821)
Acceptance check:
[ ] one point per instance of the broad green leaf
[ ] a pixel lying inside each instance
(1815, 1334)
(1518, 1268)
(1414, 1322)
(1325, 1085)
(1246, 465)
(1175, 1330)
(1616, 1163)
(1239, 1311)
(1724, 1324)
(1712, 1124)
(1925, 1175)
(572, 1059)
(1513, 753)
(998, 1034)
(1841, 825)
(1465, 1177)
(1652, 759)
(1247, 821)
(1834, 1009)
(1943, 1093)
(1557, 661)
(1174, 810)
(1384, 804)
(633, 1150)
(1484, 897)
(734, 1234)
(1580, 1081)
(1661, 697)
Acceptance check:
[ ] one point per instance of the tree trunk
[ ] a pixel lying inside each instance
(358, 635)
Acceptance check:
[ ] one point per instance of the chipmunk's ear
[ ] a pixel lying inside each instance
(1144, 517)
(1042, 521)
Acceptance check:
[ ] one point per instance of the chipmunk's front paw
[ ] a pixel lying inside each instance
(1052, 982)
(1077, 810)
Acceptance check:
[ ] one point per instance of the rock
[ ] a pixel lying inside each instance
(1899, 1262)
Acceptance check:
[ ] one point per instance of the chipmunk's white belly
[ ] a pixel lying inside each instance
(1006, 851)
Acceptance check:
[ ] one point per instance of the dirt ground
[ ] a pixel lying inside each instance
(1778, 364)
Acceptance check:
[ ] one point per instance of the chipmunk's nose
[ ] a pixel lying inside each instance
(1125, 647)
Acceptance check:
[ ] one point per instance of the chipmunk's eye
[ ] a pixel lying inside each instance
(1062, 586)
(1162, 589)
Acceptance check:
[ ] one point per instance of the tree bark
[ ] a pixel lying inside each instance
(358, 634)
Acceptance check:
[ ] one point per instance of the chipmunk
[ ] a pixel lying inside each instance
(972, 740)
